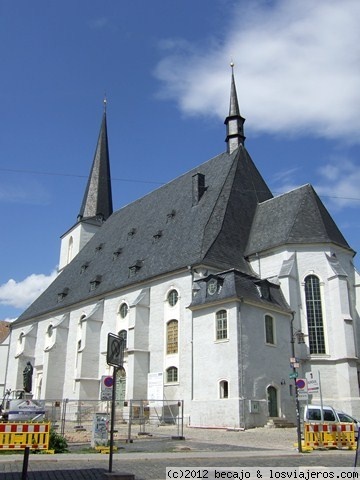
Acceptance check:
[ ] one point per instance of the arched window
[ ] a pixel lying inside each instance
(70, 250)
(269, 330)
(221, 325)
(171, 375)
(314, 315)
(224, 389)
(172, 337)
(123, 335)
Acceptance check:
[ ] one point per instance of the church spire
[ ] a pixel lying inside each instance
(234, 121)
(97, 201)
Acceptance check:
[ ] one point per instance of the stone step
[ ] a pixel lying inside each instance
(278, 422)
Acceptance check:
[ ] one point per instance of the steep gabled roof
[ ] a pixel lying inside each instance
(296, 217)
(166, 231)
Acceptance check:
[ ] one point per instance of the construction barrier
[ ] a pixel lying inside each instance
(325, 435)
(14, 436)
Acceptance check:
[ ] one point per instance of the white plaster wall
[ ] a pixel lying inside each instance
(81, 233)
(340, 314)
(4, 351)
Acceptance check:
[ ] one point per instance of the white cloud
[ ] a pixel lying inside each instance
(339, 182)
(297, 68)
(21, 294)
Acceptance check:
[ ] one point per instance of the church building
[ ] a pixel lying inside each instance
(211, 281)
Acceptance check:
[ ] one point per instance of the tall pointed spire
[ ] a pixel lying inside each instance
(234, 121)
(97, 201)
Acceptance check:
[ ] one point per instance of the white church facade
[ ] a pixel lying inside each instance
(209, 279)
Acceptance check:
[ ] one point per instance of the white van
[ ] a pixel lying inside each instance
(312, 413)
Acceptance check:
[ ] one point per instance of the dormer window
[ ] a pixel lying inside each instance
(263, 289)
(158, 235)
(62, 295)
(171, 215)
(133, 269)
(95, 282)
(117, 253)
(83, 267)
(131, 233)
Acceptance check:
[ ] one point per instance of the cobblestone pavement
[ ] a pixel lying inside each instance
(147, 459)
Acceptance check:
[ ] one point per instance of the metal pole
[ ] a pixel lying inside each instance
(112, 420)
(297, 403)
(25, 463)
(129, 422)
(182, 418)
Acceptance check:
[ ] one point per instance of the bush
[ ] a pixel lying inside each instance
(57, 442)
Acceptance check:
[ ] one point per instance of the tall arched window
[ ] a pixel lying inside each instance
(314, 315)
(172, 337)
(269, 330)
(221, 325)
(70, 250)
(123, 335)
(224, 389)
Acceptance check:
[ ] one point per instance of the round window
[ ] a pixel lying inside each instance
(173, 297)
(123, 310)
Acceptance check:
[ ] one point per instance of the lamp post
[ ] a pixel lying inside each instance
(300, 339)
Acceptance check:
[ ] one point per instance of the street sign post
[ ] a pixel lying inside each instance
(114, 357)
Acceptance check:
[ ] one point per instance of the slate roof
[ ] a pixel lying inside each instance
(97, 201)
(164, 232)
(241, 286)
(296, 217)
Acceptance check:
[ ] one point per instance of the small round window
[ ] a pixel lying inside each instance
(123, 310)
(50, 331)
(173, 297)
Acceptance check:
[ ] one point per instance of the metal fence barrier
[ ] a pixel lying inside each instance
(88, 421)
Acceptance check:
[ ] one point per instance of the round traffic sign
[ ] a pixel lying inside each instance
(108, 382)
(300, 383)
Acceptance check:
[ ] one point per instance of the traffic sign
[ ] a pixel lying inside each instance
(313, 381)
(115, 350)
(301, 384)
(106, 387)
(293, 375)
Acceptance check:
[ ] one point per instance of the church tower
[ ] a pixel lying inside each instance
(96, 206)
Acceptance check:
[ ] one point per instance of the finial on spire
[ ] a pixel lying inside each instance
(105, 102)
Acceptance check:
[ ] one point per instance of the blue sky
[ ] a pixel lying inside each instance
(164, 67)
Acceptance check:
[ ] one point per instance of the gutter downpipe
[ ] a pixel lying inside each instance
(297, 403)
(242, 423)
